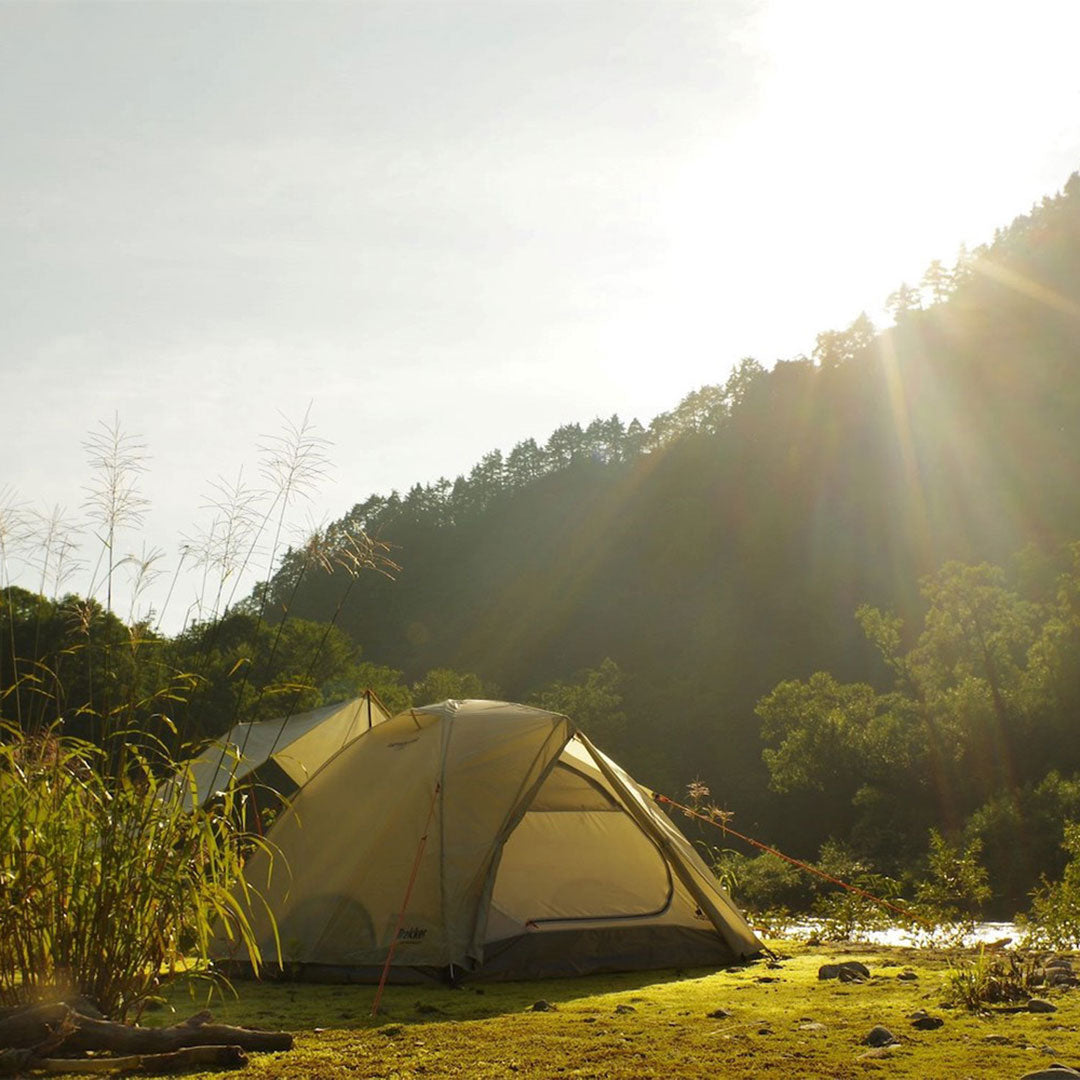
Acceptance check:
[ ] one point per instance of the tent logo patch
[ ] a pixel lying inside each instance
(411, 934)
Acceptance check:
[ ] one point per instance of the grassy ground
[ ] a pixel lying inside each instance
(783, 1022)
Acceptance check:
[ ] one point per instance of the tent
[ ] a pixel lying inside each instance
(282, 754)
(529, 852)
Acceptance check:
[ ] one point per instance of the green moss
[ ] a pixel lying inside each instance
(490, 1030)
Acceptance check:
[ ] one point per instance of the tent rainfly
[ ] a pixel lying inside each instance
(542, 858)
(284, 753)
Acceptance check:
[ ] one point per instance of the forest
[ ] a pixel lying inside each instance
(841, 591)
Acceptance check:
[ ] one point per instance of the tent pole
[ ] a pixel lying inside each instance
(405, 902)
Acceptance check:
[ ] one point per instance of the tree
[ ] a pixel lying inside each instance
(937, 282)
(593, 701)
(834, 348)
(442, 684)
(902, 302)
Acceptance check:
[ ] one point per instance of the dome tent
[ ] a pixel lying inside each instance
(542, 858)
(282, 754)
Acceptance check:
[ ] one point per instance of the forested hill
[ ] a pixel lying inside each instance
(726, 546)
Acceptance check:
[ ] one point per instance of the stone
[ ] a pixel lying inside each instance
(879, 1036)
(623, 1009)
(1052, 1072)
(542, 1006)
(718, 1014)
(907, 976)
(928, 1023)
(812, 1025)
(1041, 1005)
(847, 971)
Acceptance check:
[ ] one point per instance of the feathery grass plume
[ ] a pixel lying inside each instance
(225, 548)
(113, 499)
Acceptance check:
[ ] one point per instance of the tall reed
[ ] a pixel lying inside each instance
(109, 881)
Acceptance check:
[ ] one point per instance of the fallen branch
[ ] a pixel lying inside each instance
(13, 1062)
(44, 1023)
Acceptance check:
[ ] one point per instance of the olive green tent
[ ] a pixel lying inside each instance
(530, 853)
(281, 754)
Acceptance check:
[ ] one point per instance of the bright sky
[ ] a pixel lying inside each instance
(452, 226)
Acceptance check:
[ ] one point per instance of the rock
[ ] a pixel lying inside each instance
(1041, 1005)
(718, 1014)
(1052, 1072)
(907, 976)
(997, 1040)
(812, 1025)
(928, 1023)
(877, 1052)
(767, 978)
(622, 1009)
(542, 1006)
(848, 971)
(879, 1036)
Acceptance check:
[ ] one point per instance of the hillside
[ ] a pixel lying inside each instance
(727, 546)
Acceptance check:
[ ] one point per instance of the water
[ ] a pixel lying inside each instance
(985, 933)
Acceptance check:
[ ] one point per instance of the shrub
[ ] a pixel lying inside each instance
(952, 897)
(1054, 919)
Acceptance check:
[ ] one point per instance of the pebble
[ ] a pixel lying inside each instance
(718, 1014)
(625, 1009)
(907, 976)
(542, 1006)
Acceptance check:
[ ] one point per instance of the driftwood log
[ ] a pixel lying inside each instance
(52, 1037)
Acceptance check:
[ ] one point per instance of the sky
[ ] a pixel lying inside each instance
(446, 227)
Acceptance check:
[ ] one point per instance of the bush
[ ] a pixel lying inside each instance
(952, 897)
(845, 914)
(1054, 919)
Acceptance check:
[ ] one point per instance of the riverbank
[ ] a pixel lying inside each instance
(768, 1018)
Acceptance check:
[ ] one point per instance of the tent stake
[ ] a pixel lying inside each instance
(405, 903)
